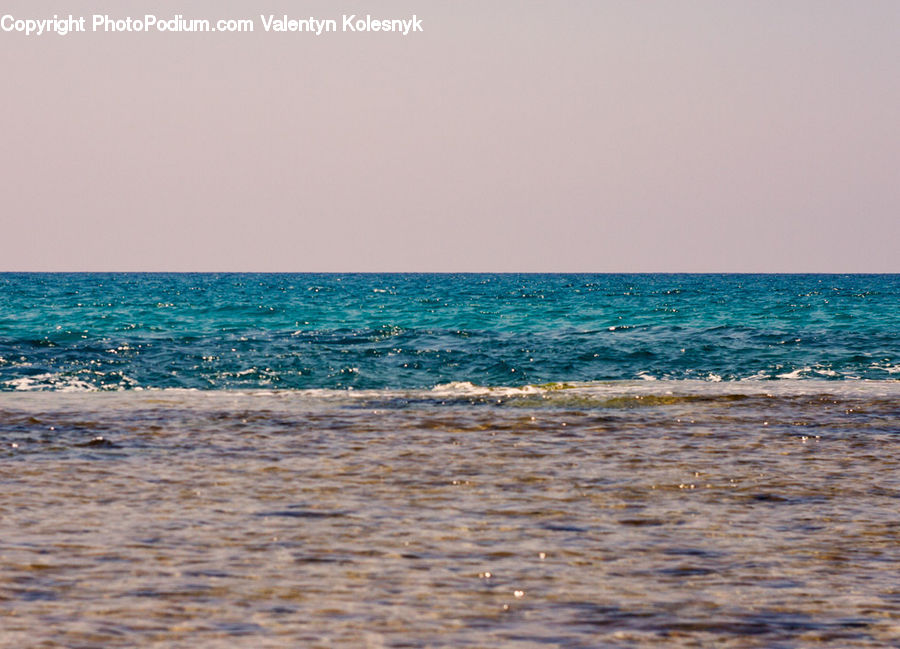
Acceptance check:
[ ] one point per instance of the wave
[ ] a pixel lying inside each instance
(361, 376)
(569, 394)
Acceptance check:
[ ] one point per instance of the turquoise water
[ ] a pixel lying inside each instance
(214, 331)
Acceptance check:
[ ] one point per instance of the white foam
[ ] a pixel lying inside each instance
(469, 389)
(890, 369)
(796, 374)
(56, 382)
(52, 391)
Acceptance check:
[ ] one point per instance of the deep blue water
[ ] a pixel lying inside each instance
(217, 331)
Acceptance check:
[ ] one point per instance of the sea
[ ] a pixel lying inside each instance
(449, 460)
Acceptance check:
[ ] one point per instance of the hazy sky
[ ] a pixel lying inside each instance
(511, 135)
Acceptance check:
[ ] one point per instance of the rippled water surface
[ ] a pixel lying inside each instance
(214, 331)
(649, 514)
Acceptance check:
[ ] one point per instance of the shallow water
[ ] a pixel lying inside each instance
(649, 514)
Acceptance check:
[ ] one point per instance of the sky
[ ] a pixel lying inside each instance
(508, 136)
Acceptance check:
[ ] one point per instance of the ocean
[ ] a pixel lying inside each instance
(472, 460)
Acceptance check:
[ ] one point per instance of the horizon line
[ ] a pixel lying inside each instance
(435, 272)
